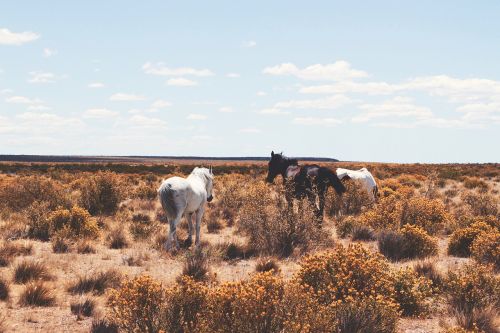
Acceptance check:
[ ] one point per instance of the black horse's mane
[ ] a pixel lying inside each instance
(289, 160)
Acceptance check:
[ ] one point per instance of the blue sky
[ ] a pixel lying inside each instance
(395, 81)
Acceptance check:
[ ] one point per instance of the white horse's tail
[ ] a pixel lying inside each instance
(167, 199)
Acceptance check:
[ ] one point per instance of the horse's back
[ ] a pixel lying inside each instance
(172, 193)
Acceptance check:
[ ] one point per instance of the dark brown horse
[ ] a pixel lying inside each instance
(304, 181)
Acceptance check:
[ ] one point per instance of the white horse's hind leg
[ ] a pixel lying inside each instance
(189, 218)
(172, 235)
(199, 215)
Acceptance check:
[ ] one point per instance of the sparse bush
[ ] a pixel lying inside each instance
(37, 220)
(352, 201)
(481, 204)
(412, 292)
(232, 251)
(146, 191)
(83, 308)
(429, 214)
(272, 228)
(85, 247)
(103, 326)
(428, 270)
(30, 270)
(486, 248)
(408, 243)
(197, 266)
(4, 290)
(10, 249)
(59, 245)
(385, 215)
(101, 193)
(74, 223)
(267, 265)
(474, 182)
(461, 240)
(117, 239)
(37, 294)
(362, 233)
(345, 225)
(471, 292)
(142, 226)
(97, 283)
(214, 225)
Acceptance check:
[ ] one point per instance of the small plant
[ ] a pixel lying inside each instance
(142, 226)
(37, 294)
(412, 292)
(30, 270)
(362, 233)
(214, 225)
(4, 290)
(101, 193)
(196, 266)
(233, 251)
(486, 248)
(428, 270)
(85, 247)
(96, 283)
(10, 249)
(345, 225)
(461, 240)
(60, 245)
(390, 244)
(73, 223)
(117, 239)
(408, 243)
(83, 308)
(267, 265)
(103, 326)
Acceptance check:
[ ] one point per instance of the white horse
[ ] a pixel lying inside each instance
(362, 177)
(186, 196)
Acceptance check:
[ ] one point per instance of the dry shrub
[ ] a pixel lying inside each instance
(117, 239)
(362, 233)
(351, 202)
(385, 215)
(273, 228)
(135, 259)
(30, 270)
(474, 182)
(101, 325)
(486, 248)
(36, 218)
(231, 196)
(471, 293)
(267, 265)
(196, 265)
(233, 251)
(144, 305)
(59, 244)
(428, 270)
(4, 290)
(343, 273)
(73, 223)
(83, 308)
(85, 247)
(23, 191)
(142, 226)
(461, 240)
(345, 225)
(408, 243)
(214, 224)
(97, 283)
(412, 292)
(146, 191)
(411, 180)
(9, 250)
(101, 193)
(481, 204)
(37, 294)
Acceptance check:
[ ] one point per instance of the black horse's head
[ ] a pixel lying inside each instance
(275, 166)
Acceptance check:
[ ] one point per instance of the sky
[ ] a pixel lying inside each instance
(383, 81)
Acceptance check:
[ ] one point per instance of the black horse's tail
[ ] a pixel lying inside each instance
(332, 180)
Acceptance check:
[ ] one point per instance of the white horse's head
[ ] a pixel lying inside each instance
(208, 177)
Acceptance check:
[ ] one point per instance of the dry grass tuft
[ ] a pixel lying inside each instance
(197, 265)
(30, 270)
(11, 249)
(97, 283)
(4, 290)
(266, 265)
(117, 239)
(428, 270)
(85, 247)
(103, 326)
(83, 308)
(37, 294)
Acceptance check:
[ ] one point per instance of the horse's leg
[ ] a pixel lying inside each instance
(189, 218)
(172, 235)
(321, 197)
(199, 215)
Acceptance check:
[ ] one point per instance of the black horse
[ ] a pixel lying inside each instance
(305, 181)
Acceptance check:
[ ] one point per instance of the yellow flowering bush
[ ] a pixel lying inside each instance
(486, 248)
(418, 244)
(346, 274)
(429, 214)
(461, 240)
(75, 222)
(412, 292)
(385, 215)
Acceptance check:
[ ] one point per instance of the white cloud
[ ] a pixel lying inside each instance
(233, 75)
(338, 71)
(396, 107)
(96, 85)
(480, 107)
(261, 93)
(100, 113)
(122, 97)
(47, 52)
(160, 104)
(161, 69)
(42, 77)
(314, 121)
(248, 44)
(45, 122)
(196, 116)
(332, 102)
(147, 122)
(249, 130)
(8, 37)
(181, 82)
(273, 111)
(6, 91)
(369, 88)
(39, 107)
(226, 109)
(23, 100)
